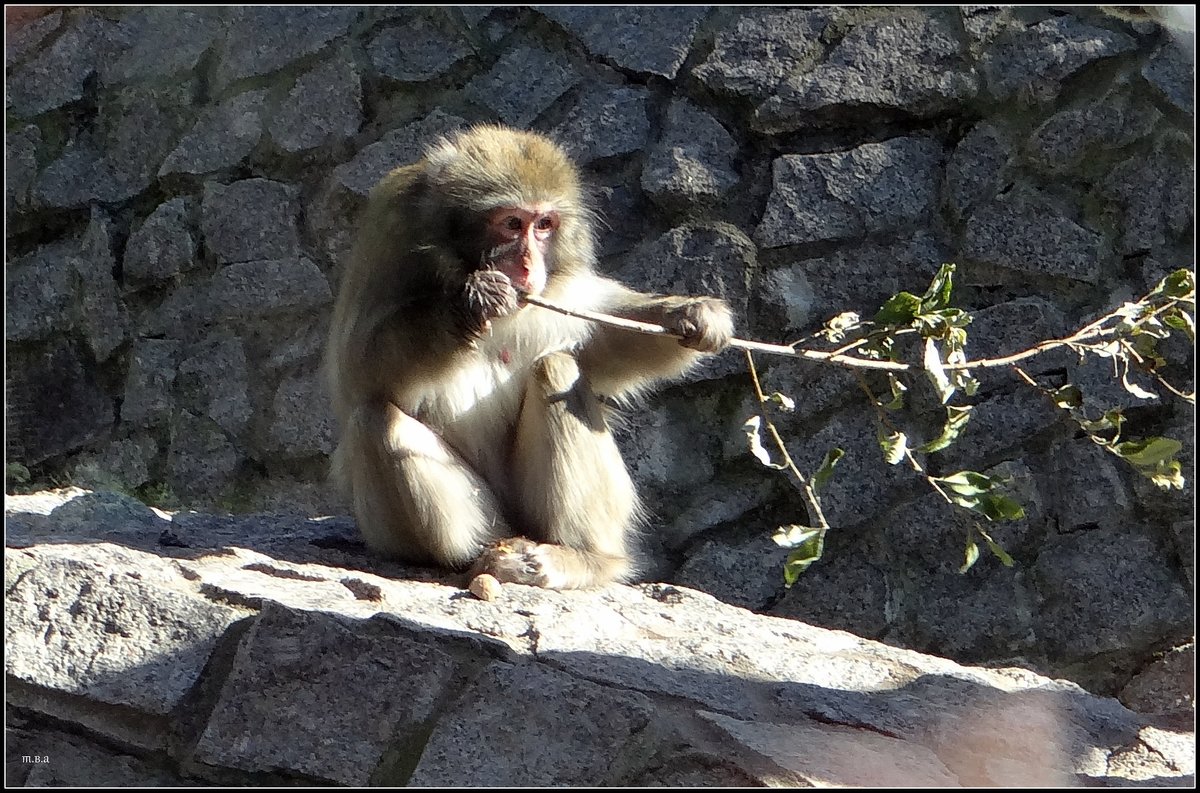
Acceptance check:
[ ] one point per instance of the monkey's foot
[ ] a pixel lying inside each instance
(516, 561)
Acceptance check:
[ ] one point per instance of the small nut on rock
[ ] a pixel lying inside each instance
(484, 586)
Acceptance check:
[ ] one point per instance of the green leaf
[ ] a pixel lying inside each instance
(999, 507)
(1111, 420)
(956, 422)
(970, 556)
(832, 457)
(802, 558)
(836, 329)
(754, 441)
(1148, 452)
(932, 361)
(1134, 388)
(1167, 474)
(785, 402)
(1068, 396)
(898, 390)
(995, 548)
(894, 445)
(1181, 320)
(1178, 284)
(968, 483)
(794, 535)
(899, 309)
(937, 296)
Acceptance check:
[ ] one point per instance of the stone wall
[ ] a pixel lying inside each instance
(182, 183)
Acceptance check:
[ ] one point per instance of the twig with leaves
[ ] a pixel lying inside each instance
(1128, 335)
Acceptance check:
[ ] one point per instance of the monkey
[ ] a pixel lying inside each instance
(475, 428)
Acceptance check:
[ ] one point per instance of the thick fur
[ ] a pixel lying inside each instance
(468, 421)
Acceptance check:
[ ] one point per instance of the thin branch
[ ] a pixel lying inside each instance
(1090, 333)
(806, 488)
(648, 327)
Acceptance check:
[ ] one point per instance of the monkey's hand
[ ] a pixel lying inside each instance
(486, 295)
(702, 323)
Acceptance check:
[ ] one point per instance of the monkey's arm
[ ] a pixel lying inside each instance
(621, 362)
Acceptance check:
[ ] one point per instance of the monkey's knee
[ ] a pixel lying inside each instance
(560, 386)
(414, 497)
(555, 373)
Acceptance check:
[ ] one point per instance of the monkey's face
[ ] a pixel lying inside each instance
(519, 242)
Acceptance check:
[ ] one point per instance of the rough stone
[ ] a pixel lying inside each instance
(648, 39)
(148, 386)
(1154, 194)
(762, 49)
(124, 464)
(1070, 137)
(162, 247)
(524, 82)
(20, 166)
(262, 39)
(647, 668)
(738, 573)
(1030, 64)
(222, 138)
(978, 167)
(250, 220)
(39, 289)
(1172, 70)
(1168, 685)
(874, 187)
(420, 50)
(56, 76)
(1024, 232)
(20, 41)
(223, 399)
(101, 314)
(398, 147)
(54, 404)
(820, 754)
(324, 108)
(912, 64)
(307, 663)
(842, 591)
(258, 289)
(61, 185)
(150, 651)
(202, 460)
(863, 484)
(692, 162)
(165, 42)
(1000, 425)
(1105, 579)
(828, 285)
(1086, 490)
(605, 122)
(1017, 325)
(596, 742)
(303, 420)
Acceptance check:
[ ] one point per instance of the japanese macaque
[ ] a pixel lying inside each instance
(473, 426)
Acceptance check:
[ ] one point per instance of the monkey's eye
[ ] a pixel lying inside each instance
(512, 223)
(546, 223)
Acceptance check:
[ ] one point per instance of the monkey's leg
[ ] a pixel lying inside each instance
(571, 483)
(414, 497)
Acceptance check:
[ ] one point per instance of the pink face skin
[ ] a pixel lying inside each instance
(519, 240)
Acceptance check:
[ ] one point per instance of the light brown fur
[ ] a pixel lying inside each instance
(468, 420)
